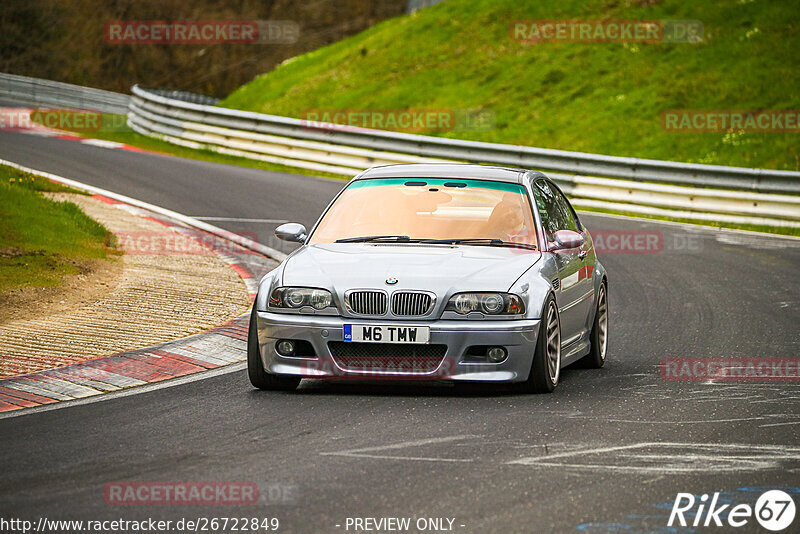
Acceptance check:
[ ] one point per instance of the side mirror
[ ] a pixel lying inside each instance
(567, 239)
(294, 232)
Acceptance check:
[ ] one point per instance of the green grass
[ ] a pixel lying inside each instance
(41, 241)
(603, 98)
(20, 179)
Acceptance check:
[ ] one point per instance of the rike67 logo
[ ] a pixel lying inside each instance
(774, 510)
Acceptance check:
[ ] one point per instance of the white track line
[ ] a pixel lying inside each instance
(238, 219)
(366, 452)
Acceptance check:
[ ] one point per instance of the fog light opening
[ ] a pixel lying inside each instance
(285, 347)
(496, 354)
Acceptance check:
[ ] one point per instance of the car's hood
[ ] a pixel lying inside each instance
(438, 268)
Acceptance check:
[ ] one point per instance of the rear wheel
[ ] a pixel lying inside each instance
(255, 369)
(598, 337)
(546, 366)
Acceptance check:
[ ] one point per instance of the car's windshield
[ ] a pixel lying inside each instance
(428, 208)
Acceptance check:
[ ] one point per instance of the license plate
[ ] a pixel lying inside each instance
(387, 333)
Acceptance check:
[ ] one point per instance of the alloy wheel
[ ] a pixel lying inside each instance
(553, 343)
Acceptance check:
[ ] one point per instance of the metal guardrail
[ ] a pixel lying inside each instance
(186, 96)
(35, 91)
(759, 180)
(726, 194)
(706, 192)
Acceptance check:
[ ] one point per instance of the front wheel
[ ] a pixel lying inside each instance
(598, 337)
(546, 366)
(255, 369)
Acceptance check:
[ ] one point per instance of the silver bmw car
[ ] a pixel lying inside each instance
(434, 272)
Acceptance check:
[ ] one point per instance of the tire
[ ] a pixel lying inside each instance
(546, 365)
(255, 369)
(598, 337)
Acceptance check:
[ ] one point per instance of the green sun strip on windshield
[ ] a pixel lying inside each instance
(439, 182)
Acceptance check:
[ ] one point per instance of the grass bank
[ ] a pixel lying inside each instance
(42, 241)
(604, 98)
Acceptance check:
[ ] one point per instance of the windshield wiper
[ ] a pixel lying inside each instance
(372, 238)
(481, 241)
(485, 241)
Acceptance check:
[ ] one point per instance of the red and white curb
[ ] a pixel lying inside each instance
(57, 134)
(18, 120)
(222, 346)
(218, 347)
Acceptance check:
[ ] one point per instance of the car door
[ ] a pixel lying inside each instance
(569, 289)
(584, 285)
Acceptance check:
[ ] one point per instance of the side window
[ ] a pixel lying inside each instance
(553, 217)
(571, 217)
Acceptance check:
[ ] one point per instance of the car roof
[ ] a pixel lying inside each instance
(446, 170)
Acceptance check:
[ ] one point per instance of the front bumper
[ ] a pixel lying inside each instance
(517, 336)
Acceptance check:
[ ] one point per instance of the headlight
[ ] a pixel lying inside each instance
(488, 303)
(297, 297)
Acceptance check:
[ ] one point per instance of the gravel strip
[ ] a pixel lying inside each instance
(170, 288)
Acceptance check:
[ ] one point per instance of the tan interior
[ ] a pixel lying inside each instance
(428, 212)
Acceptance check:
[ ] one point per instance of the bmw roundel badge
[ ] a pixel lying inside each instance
(391, 281)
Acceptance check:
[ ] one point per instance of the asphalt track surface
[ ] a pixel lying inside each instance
(607, 452)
